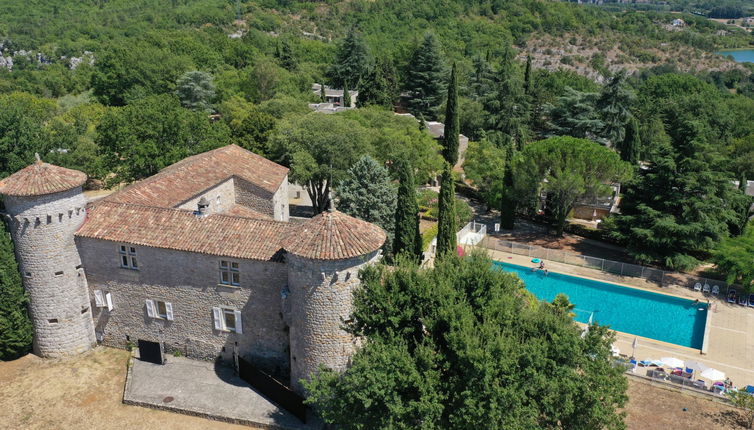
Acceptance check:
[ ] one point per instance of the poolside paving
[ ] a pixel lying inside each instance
(730, 344)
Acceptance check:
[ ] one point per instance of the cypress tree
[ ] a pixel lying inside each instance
(407, 240)
(527, 76)
(447, 226)
(508, 202)
(346, 95)
(322, 93)
(629, 147)
(15, 327)
(452, 122)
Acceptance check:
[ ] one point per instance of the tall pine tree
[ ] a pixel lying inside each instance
(508, 200)
(452, 121)
(15, 327)
(408, 240)
(614, 106)
(379, 86)
(346, 95)
(447, 226)
(507, 104)
(425, 78)
(631, 144)
(351, 61)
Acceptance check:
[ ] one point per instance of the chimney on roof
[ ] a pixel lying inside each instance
(202, 208)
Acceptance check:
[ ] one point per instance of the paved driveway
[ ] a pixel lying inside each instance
(204, 389)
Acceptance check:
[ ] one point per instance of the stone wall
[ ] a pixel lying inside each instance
(42, 228)
(320, 297)
(221, 197)
(254, 197)
(190, 282)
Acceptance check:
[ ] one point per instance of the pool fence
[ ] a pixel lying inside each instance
(609, 267)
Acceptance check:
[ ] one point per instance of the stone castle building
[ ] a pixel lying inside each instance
(201, 257)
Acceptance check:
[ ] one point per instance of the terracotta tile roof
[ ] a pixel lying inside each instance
(41, 178)
(246, 212)
(333, 235)
(185, 179)
(178, 229)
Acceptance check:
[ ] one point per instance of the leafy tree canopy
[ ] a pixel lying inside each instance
(465, 346)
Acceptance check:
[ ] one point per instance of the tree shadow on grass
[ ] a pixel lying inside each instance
(729, 418)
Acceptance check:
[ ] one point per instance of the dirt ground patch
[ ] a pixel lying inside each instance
(655, 408)
(79, 393)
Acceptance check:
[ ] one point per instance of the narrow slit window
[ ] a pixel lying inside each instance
(59, 273)
(53, 321)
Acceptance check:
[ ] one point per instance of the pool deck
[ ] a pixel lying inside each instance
(729, 336)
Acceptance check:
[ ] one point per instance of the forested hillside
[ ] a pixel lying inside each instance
(122, 88)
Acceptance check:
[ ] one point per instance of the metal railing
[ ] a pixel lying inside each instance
(609, 267)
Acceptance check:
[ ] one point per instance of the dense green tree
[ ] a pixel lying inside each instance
(679, 206)
(368, 193)
(452, 121)
(566, 169)
(284, 54)
(196, 90)
(575, 115)
(424, 80)
(346, 95)
(408, 240)
(484, 166)
(733, 256)
(319, 149)
(480, 79)
(527, 76)
(507, 105)
(630, 146)
(131, 71)
(447, 225)
(465, 346)
(22, 130)
(351, 61)
(250, 127)
(614, 105)
(15, 327)
(378, 86)
(151, 133)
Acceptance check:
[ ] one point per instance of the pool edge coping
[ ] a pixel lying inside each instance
(705, 338)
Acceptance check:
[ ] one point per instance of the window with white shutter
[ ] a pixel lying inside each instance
(169, 311)
(217, 315)
(237, 315)
(109, 300)
(99, 299)
(227, 319)
(160, 310)
(150, 309)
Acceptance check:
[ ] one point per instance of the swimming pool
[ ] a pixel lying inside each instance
(629, 310)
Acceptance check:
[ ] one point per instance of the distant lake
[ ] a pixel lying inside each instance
(740, 55)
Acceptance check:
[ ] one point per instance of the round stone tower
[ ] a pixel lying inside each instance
(324, 256)
(46, 206)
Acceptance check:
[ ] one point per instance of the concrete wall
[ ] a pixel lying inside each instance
(42, 229)
(321, 298)
(280, 202)
(225, 191)
(190, 282)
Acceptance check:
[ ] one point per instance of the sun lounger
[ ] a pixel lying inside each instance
(716, 290)
(706, 288)
(697, 287)
(645, 363)
(749, 389)
(742, 300)
(751, 300)
(732, 296)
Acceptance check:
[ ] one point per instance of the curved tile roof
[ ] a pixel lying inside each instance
(333, 235)
(40, 179)
(185, 179)
(182, 230)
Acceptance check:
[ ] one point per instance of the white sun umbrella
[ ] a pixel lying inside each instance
(672, 361)
(713, 374)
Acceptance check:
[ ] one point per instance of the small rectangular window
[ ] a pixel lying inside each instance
(85, 310)
(60, 273)
(128, 257)
(53, 321)
(230, 273)
(28, 274)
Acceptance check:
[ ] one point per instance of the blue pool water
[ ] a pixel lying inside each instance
(629, 310)
(740, 55)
